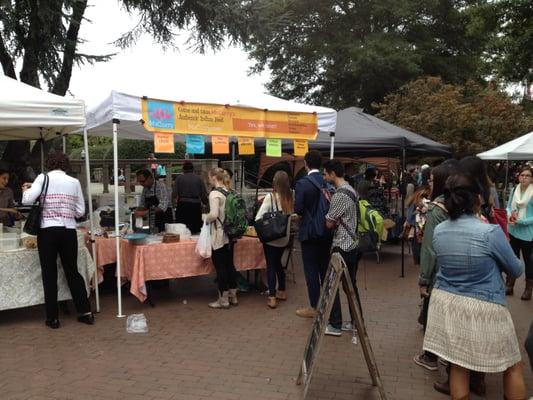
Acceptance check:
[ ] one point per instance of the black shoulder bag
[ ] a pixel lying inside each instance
(33, 222)
(273, 225)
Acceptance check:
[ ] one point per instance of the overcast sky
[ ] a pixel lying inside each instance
(146, 63)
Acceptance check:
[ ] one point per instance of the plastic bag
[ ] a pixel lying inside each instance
(136, 323)
(203, 246)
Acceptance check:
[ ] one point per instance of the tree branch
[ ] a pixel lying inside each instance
(62, 80)
(6, 60)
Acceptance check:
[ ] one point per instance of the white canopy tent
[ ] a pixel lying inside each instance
(519, 149)
(28, 113)
(123, 109)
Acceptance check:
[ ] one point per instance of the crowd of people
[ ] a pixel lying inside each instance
(463, 249)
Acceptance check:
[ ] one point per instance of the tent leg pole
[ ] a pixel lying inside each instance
(234, 177)
(64, 140)
(403, 212)
(117, 214)
(42, 156)
(332, 147)
(506, 183)
(90, 201)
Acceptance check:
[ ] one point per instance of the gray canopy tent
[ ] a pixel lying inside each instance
(361, 134)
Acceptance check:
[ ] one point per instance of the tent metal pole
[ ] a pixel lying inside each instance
(403, 210)
(90, 201)
(64, 140)
(506, 183)
(42, 155)
(116, 122)
(332, 147)
(234, 177)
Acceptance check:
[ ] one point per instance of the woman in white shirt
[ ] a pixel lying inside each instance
(281, 199)
(62, 204)
(222, 250)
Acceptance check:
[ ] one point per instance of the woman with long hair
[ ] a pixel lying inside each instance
(62, 202)
(280, 199)
(477, 169)
(469, 324)
(520, 219)
(221, 255)
(417, 207)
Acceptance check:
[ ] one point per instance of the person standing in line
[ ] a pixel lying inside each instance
(342, 218)
(520, 214)
(469, 324)
(61, 205)
(281, 199)
(428, 266)
(153, 164)
(364, 186)
(7, 211)
(315, 245)
(155, 194)
(190, 194)
(222, 258)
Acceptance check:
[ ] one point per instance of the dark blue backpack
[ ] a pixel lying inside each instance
(317, 223)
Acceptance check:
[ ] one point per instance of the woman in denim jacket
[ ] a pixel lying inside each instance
(468, 323)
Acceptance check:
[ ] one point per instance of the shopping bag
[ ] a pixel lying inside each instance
(203, 246)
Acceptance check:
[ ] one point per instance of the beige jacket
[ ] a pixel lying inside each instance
(215, 218)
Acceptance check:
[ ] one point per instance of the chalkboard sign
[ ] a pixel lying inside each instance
(337, 272)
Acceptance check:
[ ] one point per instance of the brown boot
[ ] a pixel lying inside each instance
(281, 295)
(272, 302)
(528, 290)
(509, 286)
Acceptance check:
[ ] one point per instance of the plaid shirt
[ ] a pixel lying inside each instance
(343, 208)
(161, 192)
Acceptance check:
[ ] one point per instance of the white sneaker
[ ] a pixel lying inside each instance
(347, 326)
(332, 331)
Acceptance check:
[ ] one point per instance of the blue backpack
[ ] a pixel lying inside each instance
(317, 224)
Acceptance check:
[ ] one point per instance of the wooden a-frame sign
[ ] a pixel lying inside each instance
(337, 272)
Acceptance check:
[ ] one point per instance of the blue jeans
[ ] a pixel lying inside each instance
(274, 268)
(529, 345)
(351, 258)
(315, 256)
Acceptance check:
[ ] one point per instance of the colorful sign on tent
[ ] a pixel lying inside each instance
(220, 144)
(163, 142)
(273, 147)
(195, 144)
(160, 115)
(246, 146)
(215, 119)
(301, 147)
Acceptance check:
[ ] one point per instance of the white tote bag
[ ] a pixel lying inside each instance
(203, 246)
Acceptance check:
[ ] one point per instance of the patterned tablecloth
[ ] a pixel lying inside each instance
(171, 260)
(21, 283)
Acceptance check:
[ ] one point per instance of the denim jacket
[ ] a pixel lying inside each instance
(471, 255)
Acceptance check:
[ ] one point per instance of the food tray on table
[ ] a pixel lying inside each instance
(250, 232)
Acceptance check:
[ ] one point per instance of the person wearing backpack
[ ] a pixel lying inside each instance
(342, 219)
(220, 239)
(312, 204)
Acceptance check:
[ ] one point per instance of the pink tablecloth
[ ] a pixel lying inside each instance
(172, 260)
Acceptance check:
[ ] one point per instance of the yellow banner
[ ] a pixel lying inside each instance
(220, 144)
(221, 120)
(246, 146)
(301, 147)
(163, 142)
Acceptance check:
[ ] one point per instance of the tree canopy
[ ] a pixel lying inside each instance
(469, 117)
(344, 53)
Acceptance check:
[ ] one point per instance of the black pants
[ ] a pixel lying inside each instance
(226, 274)
(526, 248)
(351, 259)
(315, 256)
(163, 218)
(275, 270)
(189, 214)
(52, 242)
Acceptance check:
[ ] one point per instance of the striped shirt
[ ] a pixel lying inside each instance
(63, 202)
(343, 208)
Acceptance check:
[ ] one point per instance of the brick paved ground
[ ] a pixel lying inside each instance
(248, 352)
